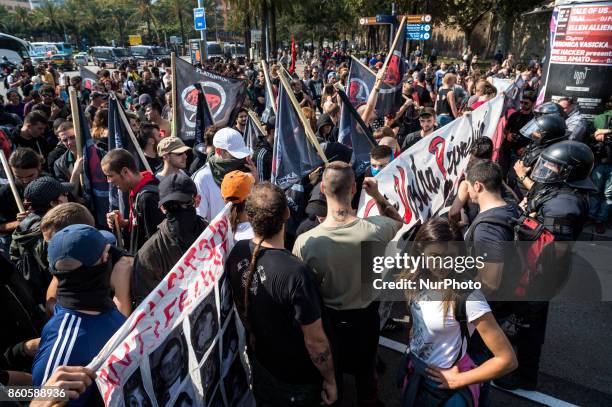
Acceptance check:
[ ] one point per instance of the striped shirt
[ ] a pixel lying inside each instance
(71, 338)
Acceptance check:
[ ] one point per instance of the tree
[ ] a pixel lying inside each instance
(49, 16)
(465, 14)
(507, 12)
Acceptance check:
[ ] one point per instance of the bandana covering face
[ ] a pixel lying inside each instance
(85, 288)
(219, 167)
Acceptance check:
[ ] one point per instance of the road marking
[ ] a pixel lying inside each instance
(535, 396)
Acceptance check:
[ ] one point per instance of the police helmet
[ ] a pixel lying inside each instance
(545, 130)
(570, 162)
(548, 108)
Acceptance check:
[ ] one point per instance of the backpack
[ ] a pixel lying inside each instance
(415, 368)
(530, 257)
(27, 252)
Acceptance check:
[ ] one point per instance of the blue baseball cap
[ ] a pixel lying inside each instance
(82, 243)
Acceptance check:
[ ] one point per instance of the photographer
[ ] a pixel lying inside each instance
(601, 144)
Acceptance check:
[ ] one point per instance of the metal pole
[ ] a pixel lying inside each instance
(392, 26)
(203, 47)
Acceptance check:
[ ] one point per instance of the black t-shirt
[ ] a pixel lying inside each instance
(156, 164)
(283, 297)
(38, 144)
(424, 96)
(487, 236)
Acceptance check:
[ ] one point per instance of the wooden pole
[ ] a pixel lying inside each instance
(76, 124)
(309, 133)
(253, 116)
(174, 129)
(363, 65)
(118, 233)
(126, 123)
(264, 67)
(400, 31)
(11, 180)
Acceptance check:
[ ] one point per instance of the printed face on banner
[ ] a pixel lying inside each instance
(186, 398)
(236, 384)
(209, 373)
(169, 366)
(226, 298)
(204, 326)
(230, 344)
(134, 393)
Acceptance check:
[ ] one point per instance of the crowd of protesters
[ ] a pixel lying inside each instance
(296, 284)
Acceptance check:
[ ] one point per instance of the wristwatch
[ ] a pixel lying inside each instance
(522, 178)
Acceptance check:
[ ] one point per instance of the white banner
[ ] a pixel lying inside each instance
(423, 181)
(182, 345)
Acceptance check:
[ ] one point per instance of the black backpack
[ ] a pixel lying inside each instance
(529, 256)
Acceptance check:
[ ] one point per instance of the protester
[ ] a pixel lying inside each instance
(31, 134)
(230, 154)
(354, 319)
(262, 154)
(601, 144)
(235, 188)
(178, 198)
(173, 152)
(148, 139)
(71, 213)
(241, 121)
(380, 157)
(26, 167)
(439, 367)
(120, 168)
(64, 166)
(427, 121)
(446, 106)
(277, 297)
(85, 313)
(153, 113)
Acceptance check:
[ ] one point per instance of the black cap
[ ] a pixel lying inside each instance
(43, 190)
(96, 94)
(317, 204)
(177, 187)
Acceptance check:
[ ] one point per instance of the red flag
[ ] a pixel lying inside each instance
(292, 67)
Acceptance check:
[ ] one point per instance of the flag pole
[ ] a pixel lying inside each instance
(363, 65)
(126, 123)
(76, 124)
(11, 180)
(253, 116)
(309, 133)
(400, 31)
(174, 129)
(264, 67)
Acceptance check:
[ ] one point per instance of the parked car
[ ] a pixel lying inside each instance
(149, 54)
(214, 50)
(109, 56)
(81, 59)
(63, 61)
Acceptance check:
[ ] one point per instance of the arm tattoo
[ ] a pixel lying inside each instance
(321, 358)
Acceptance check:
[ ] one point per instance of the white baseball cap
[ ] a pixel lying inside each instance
(231, 140)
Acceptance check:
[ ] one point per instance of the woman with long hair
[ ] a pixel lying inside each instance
(235, 188)
(99, 126)
(439, 371)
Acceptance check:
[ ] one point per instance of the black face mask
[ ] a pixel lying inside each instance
(184, 225)
(86, 288)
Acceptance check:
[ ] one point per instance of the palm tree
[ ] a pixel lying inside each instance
(48, 15)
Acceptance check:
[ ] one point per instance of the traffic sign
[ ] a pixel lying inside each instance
(416, 18)
(199, 18)
(368, 21)
(418, 27)
(417, 35)
(385, 19)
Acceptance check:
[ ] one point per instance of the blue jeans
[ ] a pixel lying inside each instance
(602, 200)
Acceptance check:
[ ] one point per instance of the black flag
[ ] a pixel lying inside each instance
(355, 134)
(360, 83)
(224, 96)
(89, 78)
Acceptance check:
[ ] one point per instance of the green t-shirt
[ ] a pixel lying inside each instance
(335, 255)
(603, 120)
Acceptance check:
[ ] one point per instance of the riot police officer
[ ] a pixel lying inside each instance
(544, 131)
(559, 201)
(548, 108)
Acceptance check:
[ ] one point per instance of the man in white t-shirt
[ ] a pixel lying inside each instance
(230, 154)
